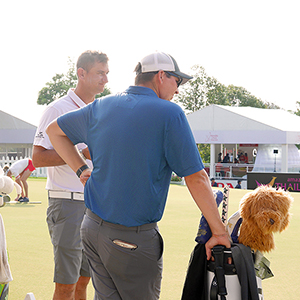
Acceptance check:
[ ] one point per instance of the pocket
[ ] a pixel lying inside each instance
(53, 213)
(65, 220)
(161, 243)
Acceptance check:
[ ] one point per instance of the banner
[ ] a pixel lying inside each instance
(287, 181)
(221, 183)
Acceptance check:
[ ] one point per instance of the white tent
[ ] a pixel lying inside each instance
(14, 130)
(268, 161)
(15, 134)
(217, 124)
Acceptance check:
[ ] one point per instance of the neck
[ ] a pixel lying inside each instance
(85, 96)
(151, 85)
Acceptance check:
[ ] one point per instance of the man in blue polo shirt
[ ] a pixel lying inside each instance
(140, 136)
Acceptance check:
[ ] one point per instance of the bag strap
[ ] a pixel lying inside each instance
(218, 283)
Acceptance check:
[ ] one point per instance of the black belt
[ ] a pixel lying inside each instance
(143, 227)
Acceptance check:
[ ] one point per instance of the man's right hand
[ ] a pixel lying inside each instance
(216, 240)
(86, 174)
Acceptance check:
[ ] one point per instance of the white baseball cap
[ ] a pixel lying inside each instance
(161, 61)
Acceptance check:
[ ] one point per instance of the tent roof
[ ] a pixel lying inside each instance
(217, 124)
(15, 131)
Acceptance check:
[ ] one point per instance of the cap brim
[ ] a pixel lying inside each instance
(185, 77)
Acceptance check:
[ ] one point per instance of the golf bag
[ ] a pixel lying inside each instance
(235, 281)
(218, 280)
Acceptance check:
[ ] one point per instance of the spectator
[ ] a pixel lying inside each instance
(242, 158)
(246, 158)
(238, 186)
(213, 183)
(226, 158)
(220, 157)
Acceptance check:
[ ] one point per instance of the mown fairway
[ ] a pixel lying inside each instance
(31, 260)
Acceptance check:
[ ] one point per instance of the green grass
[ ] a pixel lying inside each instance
(31, 258)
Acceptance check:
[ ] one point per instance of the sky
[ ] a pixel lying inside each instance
(252, 44)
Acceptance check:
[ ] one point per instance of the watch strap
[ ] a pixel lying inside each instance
(81, 169)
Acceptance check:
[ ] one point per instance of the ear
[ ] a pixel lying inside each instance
(160, 76)
(81, 73)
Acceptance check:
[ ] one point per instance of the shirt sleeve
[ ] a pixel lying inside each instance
(41, 138)
(75, 124)
(181, 150)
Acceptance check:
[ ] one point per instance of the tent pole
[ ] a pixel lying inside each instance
(284, 158)
(212, 160)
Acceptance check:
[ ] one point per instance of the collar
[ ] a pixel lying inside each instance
(141, 90)
(75, 98)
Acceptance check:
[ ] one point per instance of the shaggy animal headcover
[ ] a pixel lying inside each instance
(264, 211)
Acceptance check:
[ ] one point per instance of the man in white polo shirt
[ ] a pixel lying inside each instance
(65, 191)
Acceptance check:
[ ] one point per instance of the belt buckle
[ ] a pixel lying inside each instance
(77, 196)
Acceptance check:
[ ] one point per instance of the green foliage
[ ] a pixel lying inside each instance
(204, 150)
(204, 90)
(297, 112)
(176, 178)
(60, 85)
(198, 92)
(104, 93)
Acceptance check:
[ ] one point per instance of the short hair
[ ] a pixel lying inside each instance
(5, 169)
(141, 78)
(144, 77)
(88, 58)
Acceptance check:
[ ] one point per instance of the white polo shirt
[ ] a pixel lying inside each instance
(59, 177)
(19, 166)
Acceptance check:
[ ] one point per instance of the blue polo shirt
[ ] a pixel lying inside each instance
(135, 140)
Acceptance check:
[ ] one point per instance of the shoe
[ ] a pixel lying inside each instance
(21, 198)
(25, 199)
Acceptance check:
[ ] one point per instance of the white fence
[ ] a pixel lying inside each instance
(38, 172)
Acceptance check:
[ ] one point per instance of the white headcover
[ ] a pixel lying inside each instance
(7, 184)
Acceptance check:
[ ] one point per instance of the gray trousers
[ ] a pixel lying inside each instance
(64, 219)
(126, 262)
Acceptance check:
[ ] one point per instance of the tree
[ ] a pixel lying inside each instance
(297, 112)
(204, 90)
(204, 150)
(239, 96)
(201, 91)
(60, 85)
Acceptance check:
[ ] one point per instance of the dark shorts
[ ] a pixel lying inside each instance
(64, 218)
(126, 262)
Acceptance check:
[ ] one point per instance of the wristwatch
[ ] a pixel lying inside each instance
(81, 169)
